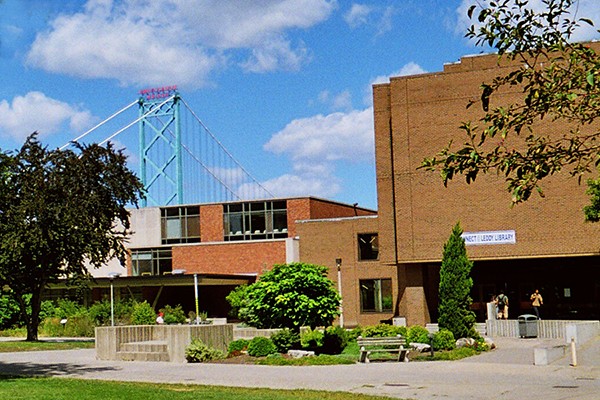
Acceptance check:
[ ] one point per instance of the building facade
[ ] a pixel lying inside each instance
(543, 243)
(218, 245)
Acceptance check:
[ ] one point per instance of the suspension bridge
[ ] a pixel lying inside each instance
(180, 160)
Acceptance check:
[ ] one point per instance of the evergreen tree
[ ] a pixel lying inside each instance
(455, 287)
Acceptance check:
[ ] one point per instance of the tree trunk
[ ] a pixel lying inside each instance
(33, 320)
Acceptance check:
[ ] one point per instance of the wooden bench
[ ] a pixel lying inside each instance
(395, 344)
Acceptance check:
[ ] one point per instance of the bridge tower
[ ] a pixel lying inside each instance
(161, 163)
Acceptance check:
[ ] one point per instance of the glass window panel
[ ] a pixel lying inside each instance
(368, 246)
(376, 295)
(258, 222)
(193, 226)
(173, 229)
(279, 220)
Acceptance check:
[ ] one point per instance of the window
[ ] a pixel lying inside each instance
(151, 261)
(368, 246)
(376, 295)
(255, 220)
(180, 225)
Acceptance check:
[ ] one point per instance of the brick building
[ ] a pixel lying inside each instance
(223, 244)
(543, 243)
(549, 245)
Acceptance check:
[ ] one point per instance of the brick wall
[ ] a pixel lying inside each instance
(322, 242)
(211, 223)
(425, 112)
(230, 257)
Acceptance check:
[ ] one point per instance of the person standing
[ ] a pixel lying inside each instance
(502, 300)
(160, 318)
(536, 302)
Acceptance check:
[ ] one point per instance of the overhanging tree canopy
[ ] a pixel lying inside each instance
(60, 210)
(558, 81)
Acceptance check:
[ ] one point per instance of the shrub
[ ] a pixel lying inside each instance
(355, 332)
(286, 339)
(238, 346)
(76, 326)
(291, 296)
(236, 299)
(143, 314)
(261, 346)
(312, 340)
(9, 311)
(173, 315)
(197, 352)
(47, 310)
(444, 340)
(335, 340)
(418, 334)
(66, 308)
(383, 330)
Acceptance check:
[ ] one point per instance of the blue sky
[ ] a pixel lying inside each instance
(284, 85)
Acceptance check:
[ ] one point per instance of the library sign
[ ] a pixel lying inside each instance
(490, 237)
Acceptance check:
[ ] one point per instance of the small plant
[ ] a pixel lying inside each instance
(173, 315)
(143, 314)
(444, 340)
(479, 345)
(237, 346)
(285, 340)
(261, 346)
(312, 340)
(417, 334)
(198, 352)
(335, 340)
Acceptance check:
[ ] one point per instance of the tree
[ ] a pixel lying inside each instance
(291, 296)
(558, 83)
(60, 210)
(455, 287)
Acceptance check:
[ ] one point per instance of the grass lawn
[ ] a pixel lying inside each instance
(16, 388)
(42, 345)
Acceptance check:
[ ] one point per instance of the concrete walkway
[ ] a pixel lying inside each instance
(505, 373)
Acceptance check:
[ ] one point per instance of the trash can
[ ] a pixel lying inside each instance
(528, 326)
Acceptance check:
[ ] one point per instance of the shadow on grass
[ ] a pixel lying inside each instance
(16, 370)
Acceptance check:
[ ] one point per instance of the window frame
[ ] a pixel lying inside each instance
(259, 220)
(188, 226)
(371, 250)
(160, 261)
(379, 293)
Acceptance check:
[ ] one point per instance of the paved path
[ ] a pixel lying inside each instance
(505, 373)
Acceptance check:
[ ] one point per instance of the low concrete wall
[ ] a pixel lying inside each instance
(547, 329)
(177, 337)
(547, 355)
(582, 331)
(249, 333)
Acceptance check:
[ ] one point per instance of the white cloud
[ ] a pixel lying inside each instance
(37, 112)
(580, 9)
(177, 41)
(357, 15)
(316, 145)
(340, 101)
(303, 185)
(408, 69)
(337, 136)
(385, 22)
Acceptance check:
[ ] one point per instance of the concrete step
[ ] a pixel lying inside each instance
(152, 350)
(151, 346)
(142, 356)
